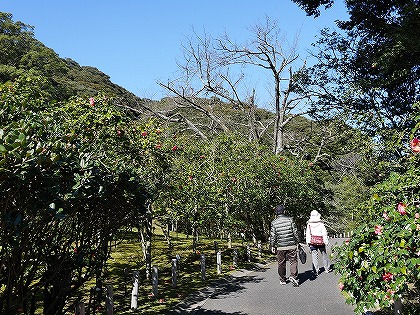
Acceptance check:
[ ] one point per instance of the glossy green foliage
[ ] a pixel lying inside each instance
(71, 175)
(381, 261)
(230, 185)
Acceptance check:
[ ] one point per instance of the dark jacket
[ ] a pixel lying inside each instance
(283, 232)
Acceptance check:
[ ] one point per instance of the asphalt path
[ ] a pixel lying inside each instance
(259, 292)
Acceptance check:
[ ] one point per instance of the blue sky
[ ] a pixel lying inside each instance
(138, 42)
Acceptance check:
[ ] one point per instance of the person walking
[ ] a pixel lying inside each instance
(317, 239)
(284, 239)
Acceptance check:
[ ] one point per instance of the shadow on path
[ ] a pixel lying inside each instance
(256, 292)
(215, 290)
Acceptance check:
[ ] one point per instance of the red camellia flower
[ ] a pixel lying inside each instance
(144, 133)
(92, 101)
(415, 145)
(378, 229)
(158, 146)
(174, 148)
(387, 276)
(401, 208)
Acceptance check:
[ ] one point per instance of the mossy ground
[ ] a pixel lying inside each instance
(127, 257)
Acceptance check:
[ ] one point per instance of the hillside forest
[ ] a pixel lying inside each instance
(83, 161)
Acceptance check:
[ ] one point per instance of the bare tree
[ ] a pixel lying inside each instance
(205, 75)
(216, 67)
(290, 88)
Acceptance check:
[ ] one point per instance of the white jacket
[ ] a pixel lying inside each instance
(316, 228)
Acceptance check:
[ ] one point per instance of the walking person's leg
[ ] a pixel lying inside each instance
(281, 261)
(325, 260)
(293, 259)
(314, 255)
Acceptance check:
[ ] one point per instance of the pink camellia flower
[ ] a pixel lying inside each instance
(386, 217)
(92, 101)
(387, 276)
(347, 242)
(401, 208)
(378, 229)
(415, 145)
(341, 286)
(417, 215)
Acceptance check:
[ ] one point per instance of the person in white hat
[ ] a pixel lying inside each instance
(317, 239)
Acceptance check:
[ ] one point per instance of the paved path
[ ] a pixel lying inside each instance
(259, 292)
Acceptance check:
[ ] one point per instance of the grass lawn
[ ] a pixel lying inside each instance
(127, 257)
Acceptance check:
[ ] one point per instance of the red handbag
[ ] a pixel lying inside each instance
(316, 239)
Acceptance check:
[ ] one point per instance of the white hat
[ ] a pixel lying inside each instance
(315, 216)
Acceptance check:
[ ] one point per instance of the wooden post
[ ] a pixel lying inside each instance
(109, 300)
(174, 273)
(155, 280)
(135, 291)
(235, 257)
(203, 266)
(248, 252)
(219, 262)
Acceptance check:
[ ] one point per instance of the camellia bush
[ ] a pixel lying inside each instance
(226, 186)
(380, 263)
(72, 175)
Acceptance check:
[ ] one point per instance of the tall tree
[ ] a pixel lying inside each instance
(217, 67)
(376, 56)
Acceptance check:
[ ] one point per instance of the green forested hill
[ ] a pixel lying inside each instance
(21, 53)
